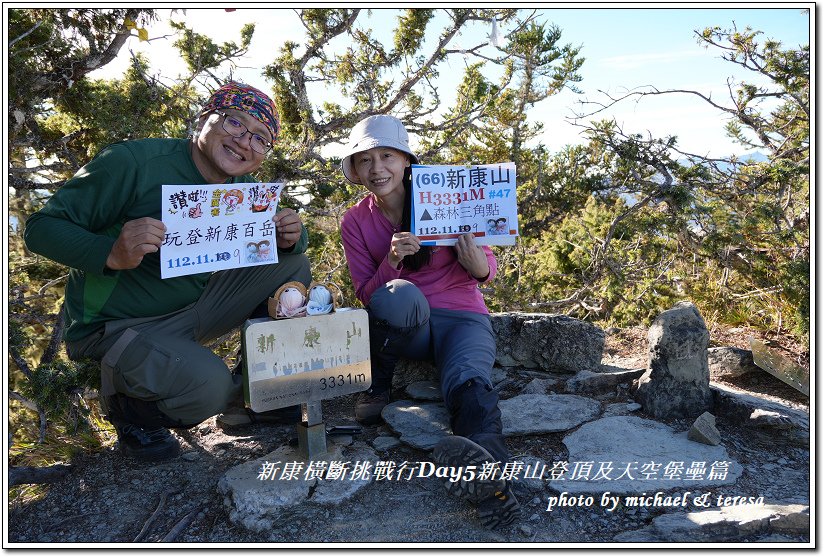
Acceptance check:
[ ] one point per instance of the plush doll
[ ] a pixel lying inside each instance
(288, 301)
(322, 298)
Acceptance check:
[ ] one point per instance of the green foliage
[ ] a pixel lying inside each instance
(17, 338)
(96, 113)
(410, 30)
(56, 387)
(617, 282)
(613, 231)
(201, 53)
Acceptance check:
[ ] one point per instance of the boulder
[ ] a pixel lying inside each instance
(548, 342)
(677, 383)
(540, 341)
(756, 411)
(737, 522)
(633, 455)
(728, 361)
(262, 493)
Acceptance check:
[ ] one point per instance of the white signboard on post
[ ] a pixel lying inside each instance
(218, 226)
(305, 359)
(448, 201)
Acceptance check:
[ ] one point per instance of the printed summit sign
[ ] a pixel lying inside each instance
(448, 201)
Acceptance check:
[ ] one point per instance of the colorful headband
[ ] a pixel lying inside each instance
(247, 99)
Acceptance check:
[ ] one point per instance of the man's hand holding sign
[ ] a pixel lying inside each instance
(161, 233)
(288, 227)
(137, 238)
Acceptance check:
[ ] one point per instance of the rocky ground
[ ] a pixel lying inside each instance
(106, 498)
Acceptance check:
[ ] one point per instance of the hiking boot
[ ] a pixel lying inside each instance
(501, 509)
(147, 444)
(242, 416)
(497, 505)
(369, 405)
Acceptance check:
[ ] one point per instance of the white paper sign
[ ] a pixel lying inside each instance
(448, 201)
(218, 226)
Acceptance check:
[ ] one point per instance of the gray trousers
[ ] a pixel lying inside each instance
(162, 359)
(461, 343)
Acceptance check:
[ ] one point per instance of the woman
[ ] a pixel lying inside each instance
(424, 303)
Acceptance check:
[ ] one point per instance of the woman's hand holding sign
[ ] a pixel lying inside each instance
(402, 244)
(472, 257)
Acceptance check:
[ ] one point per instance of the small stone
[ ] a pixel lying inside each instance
(538, 386)
(385, 442)
(191, 456)
(424, 390)
(525, 530)
(497, 375)
(633, 407)
(343, 440)
(704, 430)
(419, 424)
(590, 382)
(532, 414)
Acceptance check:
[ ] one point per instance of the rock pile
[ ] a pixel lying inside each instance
(610, 447)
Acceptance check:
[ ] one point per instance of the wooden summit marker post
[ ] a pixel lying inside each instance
(305, 360)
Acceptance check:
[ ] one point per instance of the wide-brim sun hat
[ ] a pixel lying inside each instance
(381, 130)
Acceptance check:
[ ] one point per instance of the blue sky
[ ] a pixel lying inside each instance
(624, 48)
(628, 48)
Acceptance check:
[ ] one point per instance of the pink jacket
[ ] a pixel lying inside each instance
(366, 234)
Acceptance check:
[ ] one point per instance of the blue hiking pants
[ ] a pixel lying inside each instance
(462, 345)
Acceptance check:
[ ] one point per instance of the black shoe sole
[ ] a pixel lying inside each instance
(503, 510)
(458, 451)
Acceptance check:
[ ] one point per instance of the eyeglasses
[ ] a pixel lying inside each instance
(235, 128)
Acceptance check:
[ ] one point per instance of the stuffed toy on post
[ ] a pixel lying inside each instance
(323, 298)
(289, 301)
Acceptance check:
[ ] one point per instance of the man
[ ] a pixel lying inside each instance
(148, 333)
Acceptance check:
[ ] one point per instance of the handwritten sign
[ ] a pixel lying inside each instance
(448, 201)
(216, 227)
